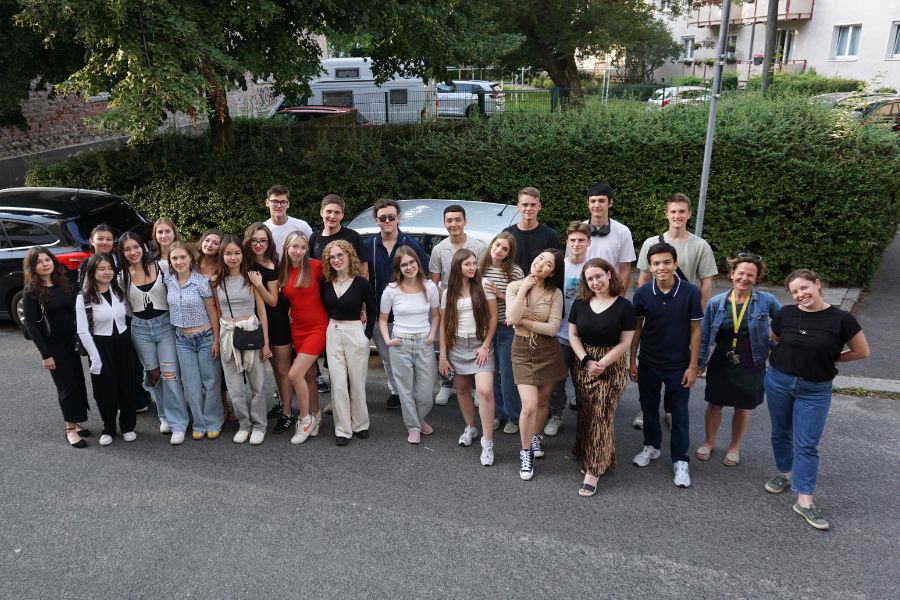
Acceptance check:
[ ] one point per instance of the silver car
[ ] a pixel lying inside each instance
(682, 94)
(460, 98)
(424, 220)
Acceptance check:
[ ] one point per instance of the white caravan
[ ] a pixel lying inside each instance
(349, 82)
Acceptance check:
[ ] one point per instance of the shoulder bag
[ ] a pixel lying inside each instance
(243, 339)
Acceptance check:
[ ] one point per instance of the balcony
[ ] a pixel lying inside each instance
(708, 13)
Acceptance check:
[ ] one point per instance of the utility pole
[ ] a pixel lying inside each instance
(716, 92)
(769, 51)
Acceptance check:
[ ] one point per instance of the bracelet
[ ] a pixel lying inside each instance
(585, 359)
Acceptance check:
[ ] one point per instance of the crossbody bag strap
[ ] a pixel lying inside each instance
(89, 311)
(227, 299)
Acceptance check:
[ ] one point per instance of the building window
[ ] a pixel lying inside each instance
(687, 47)
(342, 98)
(895, 41)
(346, 73)
(731, 46)
(846, 42)
(398, 97)
(784, 45)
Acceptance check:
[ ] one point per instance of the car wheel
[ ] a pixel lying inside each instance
(472, 111)
(17, 309)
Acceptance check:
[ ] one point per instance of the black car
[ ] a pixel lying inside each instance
(60, 219)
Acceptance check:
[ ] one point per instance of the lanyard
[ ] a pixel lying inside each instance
(737, 318)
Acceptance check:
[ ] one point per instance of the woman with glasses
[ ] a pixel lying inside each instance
(810, 338)
(734, 346)
(259, 247)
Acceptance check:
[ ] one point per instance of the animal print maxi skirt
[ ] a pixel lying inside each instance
(595, 441)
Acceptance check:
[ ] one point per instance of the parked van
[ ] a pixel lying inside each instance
(349, 82)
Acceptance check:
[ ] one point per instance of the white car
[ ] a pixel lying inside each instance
(461, 98)
(682, 94)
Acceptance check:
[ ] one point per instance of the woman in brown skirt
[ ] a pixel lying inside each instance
(601, 325)
(534, 307)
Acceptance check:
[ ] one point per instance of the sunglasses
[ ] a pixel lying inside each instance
(387, 218)
(750, 256)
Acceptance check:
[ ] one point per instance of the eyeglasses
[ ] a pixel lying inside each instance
(279, 202)
(750, 256)
(387, 218)
(408, 265)
(258, 242)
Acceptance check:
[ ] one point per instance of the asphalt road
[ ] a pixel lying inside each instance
(382, 518)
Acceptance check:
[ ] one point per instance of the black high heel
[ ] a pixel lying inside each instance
(79, 443)
(83, 432)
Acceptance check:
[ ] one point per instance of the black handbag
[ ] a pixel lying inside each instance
(243, 339)
(89, 311)
(43, 323)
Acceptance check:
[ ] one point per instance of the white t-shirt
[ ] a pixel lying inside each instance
(412, 312)
(615, 248)
(571, 283)
(695, 257)
(465, 316)
(281, 232)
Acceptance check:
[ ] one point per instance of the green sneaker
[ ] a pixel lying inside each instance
(778, 484)
(812, 515)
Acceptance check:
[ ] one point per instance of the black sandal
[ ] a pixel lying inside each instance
(79, 443)
(83, 432)
(587, 490)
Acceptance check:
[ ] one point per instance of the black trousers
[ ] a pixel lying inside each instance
(68, 377)
(114, 386)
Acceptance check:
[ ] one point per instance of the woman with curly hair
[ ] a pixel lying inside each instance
(50, 323)
(344, 293)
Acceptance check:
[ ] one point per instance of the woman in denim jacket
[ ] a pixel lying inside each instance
(735, 357)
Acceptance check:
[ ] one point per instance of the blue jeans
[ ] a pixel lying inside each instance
(507, 403)
(798, 409)
(201, 377)
(650, 379)
(154, 340)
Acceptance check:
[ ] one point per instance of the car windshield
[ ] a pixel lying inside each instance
(118, 215)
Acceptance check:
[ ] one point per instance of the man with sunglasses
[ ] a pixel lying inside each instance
(380, 249)
(610, 239)
(278, 200)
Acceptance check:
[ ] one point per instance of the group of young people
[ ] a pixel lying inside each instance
(505, 323)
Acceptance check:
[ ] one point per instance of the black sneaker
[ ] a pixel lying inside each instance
(284, 423)
(322, 384)
(537, 451)
(276, 408)
(393, 402)
(526, 468)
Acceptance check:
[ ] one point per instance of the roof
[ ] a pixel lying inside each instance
(67, 202)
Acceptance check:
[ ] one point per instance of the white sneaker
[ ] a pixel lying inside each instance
(644, 457)
(526, 468)
(129, 437)
(682, 476)
(240, 437)
(443, 396)
(164, 426)
(668, 419)
(487, 452)
(257, 437)
(304, 428)
(327, 410)
(475, 398)
(105, 440)
(177, 438)
(553, 426)
(510, 428)
(638, 422)
(469, 434)
(537, 450)
(572, 402)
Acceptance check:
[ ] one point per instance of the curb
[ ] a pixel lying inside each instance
(869, 384)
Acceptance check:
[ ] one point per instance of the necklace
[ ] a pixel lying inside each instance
(342, 281)
(601, 304)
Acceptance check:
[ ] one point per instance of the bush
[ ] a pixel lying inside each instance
(809, 83)
(729, 81)
(687, 80)
(632, 91)
(792, 181)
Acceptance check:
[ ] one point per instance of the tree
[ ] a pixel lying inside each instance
(651, 47)
(27, 64)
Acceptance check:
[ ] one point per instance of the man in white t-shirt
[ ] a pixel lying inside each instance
(578, 243)
(278, 200)
(696, 262)
(439, 267)
(610, 239)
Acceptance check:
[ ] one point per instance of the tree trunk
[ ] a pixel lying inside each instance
(564, 73)
(221, 132)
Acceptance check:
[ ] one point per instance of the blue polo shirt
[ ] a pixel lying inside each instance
(666, 333)
(381, 269)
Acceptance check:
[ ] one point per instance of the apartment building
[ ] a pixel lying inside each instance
(858, 39)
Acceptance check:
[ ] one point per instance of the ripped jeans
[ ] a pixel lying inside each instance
(154, 340)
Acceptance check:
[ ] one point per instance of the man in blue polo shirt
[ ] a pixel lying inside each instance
(669, 312)
(380, 251)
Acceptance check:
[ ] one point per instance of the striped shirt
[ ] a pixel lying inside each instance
(496, 275)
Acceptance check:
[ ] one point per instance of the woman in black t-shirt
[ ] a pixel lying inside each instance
(601, 325)
(809, 339)
(50, 323)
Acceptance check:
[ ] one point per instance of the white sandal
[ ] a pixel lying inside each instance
(703, 453)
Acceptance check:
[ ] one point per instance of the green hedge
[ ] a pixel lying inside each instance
(792, 181)
(807, 83)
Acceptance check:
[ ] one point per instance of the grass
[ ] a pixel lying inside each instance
(863, 393)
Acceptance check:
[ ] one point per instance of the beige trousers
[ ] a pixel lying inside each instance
(348, 365)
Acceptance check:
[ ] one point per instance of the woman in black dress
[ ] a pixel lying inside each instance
(259, 247)
(50, 323)
(735, 356)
